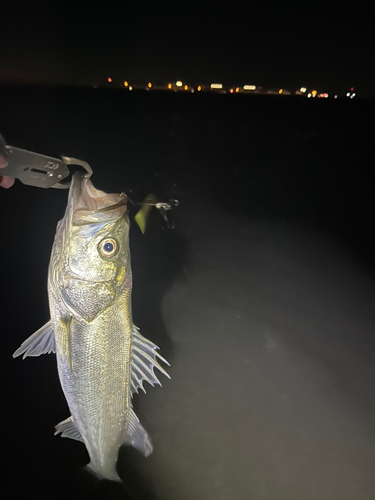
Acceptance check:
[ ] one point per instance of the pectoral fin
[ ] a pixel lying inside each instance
(63, 334)
(68, 429)
(40, 342)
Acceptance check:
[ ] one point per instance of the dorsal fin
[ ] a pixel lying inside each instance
(137, 436)
(144, 361)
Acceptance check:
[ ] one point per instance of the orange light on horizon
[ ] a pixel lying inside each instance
(109, 79)
(237, 89)
(149, 85)
(126, 84)
(169, 86)
(186, 87)
(199, 88)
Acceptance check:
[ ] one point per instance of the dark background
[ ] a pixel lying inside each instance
(262, 297)
(283, 45)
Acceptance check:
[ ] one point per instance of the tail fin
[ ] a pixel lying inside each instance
(136, 436)
(112, 477)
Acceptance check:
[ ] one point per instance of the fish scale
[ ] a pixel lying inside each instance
(100, 386)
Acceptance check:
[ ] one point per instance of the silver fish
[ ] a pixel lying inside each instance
(102, 358)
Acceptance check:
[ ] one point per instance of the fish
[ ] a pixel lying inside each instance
(102, 358)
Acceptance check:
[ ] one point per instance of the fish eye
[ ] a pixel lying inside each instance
(108, 247)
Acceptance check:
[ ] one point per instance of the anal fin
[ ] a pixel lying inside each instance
(68, 429)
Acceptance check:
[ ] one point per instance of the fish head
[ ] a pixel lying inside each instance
(90, 263)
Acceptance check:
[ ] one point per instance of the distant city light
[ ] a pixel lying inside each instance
(353, 94)
(220, 87)
(348, 94)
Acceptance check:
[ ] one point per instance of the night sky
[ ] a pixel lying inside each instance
(317, 47)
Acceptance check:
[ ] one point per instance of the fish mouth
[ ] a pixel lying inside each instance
(90, 205)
